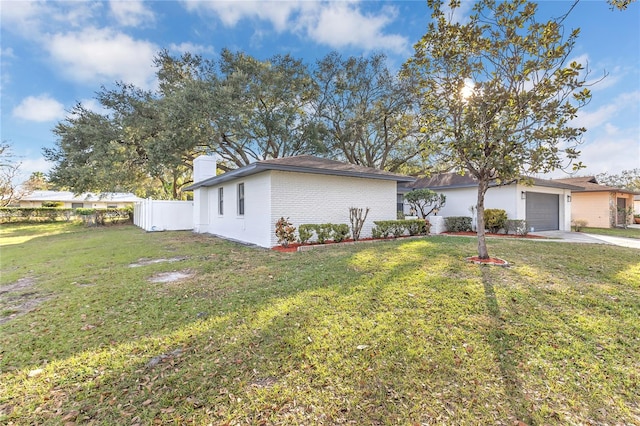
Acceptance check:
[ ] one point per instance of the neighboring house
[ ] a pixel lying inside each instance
(601, 206)
(545, 205)
(636, 204)
(73, 201)
(246, 203)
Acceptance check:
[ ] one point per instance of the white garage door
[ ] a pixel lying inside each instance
(543, 211)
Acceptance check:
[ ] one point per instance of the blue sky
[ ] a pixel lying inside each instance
(56, 53)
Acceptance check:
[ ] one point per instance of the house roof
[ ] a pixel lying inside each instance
(303, 164)
(67, 196)
(590, 184)
(456, 180)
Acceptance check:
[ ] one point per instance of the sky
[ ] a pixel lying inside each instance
(57, 53)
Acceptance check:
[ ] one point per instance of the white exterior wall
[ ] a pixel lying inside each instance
(307, 198)
(253, 227)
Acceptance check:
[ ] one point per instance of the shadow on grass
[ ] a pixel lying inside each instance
(503, 347)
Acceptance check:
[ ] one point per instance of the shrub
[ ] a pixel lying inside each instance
(305, 232)
(340, 232)
(457, 223)
(53, 204)
(285, 232)
(578, 224)
(495, 219)
(418, 226)
(383, 228)
(516, 226)
(324, 232)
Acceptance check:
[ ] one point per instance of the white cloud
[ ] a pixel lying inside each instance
(31, 165)
(41, 108)
(102, 55)
(231, 12)
(610, 153)
(131, 13)
(31, 19)
(194, 49)
(343, 24)
(336, 24)
(594, 119)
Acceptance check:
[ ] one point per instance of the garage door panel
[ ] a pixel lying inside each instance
(543, 211)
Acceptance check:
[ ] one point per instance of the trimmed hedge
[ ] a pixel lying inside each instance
(324, 232)
(457, 223)
(54, 214)
(398, 228)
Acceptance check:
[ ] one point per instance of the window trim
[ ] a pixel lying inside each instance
(240, 194)
(221, 201)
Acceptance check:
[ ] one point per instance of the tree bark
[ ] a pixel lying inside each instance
(483, 253)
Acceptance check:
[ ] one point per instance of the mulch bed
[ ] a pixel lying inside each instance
(293, 247)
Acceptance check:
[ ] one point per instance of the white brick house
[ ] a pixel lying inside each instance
(245, 204)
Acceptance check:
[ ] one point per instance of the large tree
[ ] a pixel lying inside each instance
(238, 107)
(498, 93)
(10, 191)
(627, 179)
(370, 114)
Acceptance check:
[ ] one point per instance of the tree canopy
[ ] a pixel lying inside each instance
(242, 109)
(498, 93)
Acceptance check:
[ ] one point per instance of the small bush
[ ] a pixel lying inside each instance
(516, 226)
(383, 228)
(340, 232)
(324, 232)
(305, 232)
(53, 204)
(457, 223)
(578, 224)
(495, 219)
(285, 232)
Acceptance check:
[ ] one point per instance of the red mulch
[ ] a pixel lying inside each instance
(293, 247)
(490, 261)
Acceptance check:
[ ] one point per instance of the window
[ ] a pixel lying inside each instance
(241, 199)
(220, 201)
(77, 205)
(112, 206)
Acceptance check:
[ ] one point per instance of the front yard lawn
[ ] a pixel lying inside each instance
(402, 332)
(614, 232)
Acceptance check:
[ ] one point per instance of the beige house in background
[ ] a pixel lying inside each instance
(601, 206)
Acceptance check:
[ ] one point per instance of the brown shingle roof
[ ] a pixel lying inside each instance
(590, 184)
(304, 164)
(456, 180)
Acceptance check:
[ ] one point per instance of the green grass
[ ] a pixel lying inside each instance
(614, 232)
(402, 332)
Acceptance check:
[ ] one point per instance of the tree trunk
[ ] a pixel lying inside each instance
(483, 253)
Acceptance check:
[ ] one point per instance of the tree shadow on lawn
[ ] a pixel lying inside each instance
(503, 347)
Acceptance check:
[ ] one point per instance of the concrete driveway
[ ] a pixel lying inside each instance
(581, 237)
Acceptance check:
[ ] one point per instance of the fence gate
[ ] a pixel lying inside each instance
(161, 215)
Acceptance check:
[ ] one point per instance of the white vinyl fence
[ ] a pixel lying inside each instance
(159, 215)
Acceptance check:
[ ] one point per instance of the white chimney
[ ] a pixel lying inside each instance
(204, 167)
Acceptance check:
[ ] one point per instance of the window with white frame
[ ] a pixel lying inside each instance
(241, 199)
(220, 201)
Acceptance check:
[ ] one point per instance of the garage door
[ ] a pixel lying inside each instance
(543, 211)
